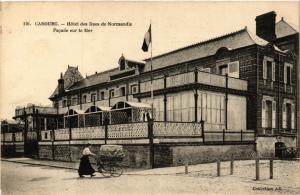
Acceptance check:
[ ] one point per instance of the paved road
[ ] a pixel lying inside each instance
(32, 179)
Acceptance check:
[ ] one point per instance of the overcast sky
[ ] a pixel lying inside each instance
(32, 57)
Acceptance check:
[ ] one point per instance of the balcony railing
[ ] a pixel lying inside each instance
(186, 78)
(36, 109)
(211, 79)
(157, 84)
(189, 77)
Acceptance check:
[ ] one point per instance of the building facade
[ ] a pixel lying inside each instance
(233, 83)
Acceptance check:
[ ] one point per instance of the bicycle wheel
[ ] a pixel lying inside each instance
(106, 170)
(116, 170)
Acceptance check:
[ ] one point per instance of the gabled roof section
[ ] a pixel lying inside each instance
(234, 40)
(283, 29)
(94, 79)
(71, 76)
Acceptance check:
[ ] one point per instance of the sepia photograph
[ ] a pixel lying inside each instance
(150, 97)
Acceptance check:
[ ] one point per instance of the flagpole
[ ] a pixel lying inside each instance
(152, 98)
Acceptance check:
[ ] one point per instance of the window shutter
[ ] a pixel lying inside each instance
(284, 116)
(234, 69)
(263, 114)
(285, 75)
(273, 114)
(273, 71)
(293, 116)
(264, 69)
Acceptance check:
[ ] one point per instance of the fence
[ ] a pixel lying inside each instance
(229, 136)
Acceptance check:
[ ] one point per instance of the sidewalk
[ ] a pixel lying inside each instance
(208, 169)
(57, 164)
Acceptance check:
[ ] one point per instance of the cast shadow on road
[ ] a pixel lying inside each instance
(87, 178)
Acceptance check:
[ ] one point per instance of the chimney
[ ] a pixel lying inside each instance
(265, 26)
(61, 84)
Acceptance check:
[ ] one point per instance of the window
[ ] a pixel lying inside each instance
(102, 95)
(74, 101)
(268, 69)
(268, 113)
(134, 89)
(64, 104)
(84, 99)
(93, 97)
(111, 93)
(288, 115)
(122, 91)
(288, 73)
(223, 69)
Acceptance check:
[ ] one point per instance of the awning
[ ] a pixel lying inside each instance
(97, 109)
(74, 111)
(125, 104)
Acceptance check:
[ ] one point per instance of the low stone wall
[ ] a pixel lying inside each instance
(210, 153)
(266, 145)
(165, 155)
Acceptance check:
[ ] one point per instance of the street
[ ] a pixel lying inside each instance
(19, 178)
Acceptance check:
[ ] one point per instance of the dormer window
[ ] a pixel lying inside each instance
(64, 103)
(111, 93)
(93, 97)
(84, 99)
(122, 64)
(122, 91)
(223, 69)
(102, 95)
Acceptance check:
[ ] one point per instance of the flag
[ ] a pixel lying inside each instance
(147, 40)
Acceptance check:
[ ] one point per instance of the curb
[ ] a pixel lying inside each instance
(45, 165)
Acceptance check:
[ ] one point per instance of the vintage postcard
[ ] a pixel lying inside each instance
(152, 97)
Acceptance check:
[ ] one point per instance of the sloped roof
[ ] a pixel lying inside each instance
(94, 79)
(71, 76)
(234, 40)
(283, 29)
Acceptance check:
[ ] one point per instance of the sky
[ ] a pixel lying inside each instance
(32, 57)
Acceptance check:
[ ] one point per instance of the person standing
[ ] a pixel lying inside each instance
(85, 167)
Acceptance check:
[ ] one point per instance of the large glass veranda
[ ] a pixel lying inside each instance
(121, 112)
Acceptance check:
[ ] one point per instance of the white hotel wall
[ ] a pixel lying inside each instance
(211, 105)
(237, 108)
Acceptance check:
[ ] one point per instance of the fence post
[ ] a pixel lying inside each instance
(106, 121)
(231, 165)
(186, 167)
(52, 144)
(241, 135)
(257, 168)
(271, 168)
(223, 135)
(202, 128)
(218, 168)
